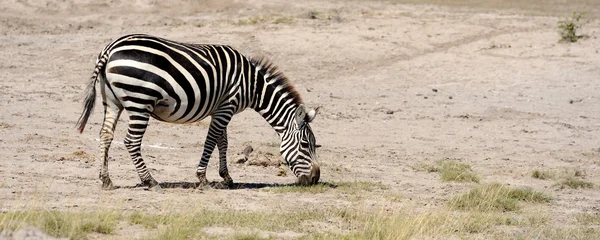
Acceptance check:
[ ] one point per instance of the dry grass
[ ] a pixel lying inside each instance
(254, 20)
(496, 197)
(61, 224)
(589, 218)
(541, 174)
(437, 224)
(574, 183)
(352, 223)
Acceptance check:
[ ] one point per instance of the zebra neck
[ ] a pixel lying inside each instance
(277, 109)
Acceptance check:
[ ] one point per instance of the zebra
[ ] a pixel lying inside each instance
(175, 82)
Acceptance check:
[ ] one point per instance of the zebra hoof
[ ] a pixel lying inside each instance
(157, 188)
(107, 184)
(151, 183)
(228, 183)
(225, 185)
(203, 185)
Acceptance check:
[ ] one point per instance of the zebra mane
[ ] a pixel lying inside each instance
(276, 77)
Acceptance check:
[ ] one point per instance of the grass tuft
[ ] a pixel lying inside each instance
(283, 20)
(61, 224)
(568, 27)
(450, 171)
(541, 174)
(496, 197)
(574, 183)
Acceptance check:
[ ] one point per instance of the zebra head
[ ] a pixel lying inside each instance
(298, 147)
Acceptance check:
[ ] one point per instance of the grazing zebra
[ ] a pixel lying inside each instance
(184, 83)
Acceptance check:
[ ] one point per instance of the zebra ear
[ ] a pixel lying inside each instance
(300, 115)
(311, 114)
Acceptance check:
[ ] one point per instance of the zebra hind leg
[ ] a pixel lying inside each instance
(138, 122)
(111, 116)
(223, 172)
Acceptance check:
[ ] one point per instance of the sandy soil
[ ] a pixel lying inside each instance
(399, 84)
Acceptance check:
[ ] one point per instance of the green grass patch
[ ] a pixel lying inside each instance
(574, 183)
(541, 174)
(496, 197)
(61, 224)
(450, 171)
(343, 187)
(189, 225)
(147, 220)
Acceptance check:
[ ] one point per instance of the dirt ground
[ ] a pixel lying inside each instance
(399, 84)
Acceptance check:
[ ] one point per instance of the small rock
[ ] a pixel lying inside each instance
(246, 153)
(425, 97)
(450, 97)
(389, 112)
(248, 150)
(434, 90)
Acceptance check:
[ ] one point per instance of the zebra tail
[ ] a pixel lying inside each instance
(90, 95)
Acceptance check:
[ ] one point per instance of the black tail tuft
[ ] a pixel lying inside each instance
(90, 95)
(88, 104)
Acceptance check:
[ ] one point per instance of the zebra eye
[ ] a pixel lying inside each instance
(304, 144)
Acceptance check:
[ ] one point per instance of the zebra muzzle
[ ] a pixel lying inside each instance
(313, 178)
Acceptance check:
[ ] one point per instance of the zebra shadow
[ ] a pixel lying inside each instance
(220, 185)
(213, 184)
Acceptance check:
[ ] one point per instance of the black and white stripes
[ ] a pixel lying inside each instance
(183, 83)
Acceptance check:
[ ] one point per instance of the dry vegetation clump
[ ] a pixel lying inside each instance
(541, 174)
(265, 159)
(575, 183)
(496, 197)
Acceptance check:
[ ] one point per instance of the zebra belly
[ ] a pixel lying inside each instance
(157, 102)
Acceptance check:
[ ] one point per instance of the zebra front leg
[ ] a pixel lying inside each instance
(218, 126)
(111, 116)
(223, 172)
(138, 122)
